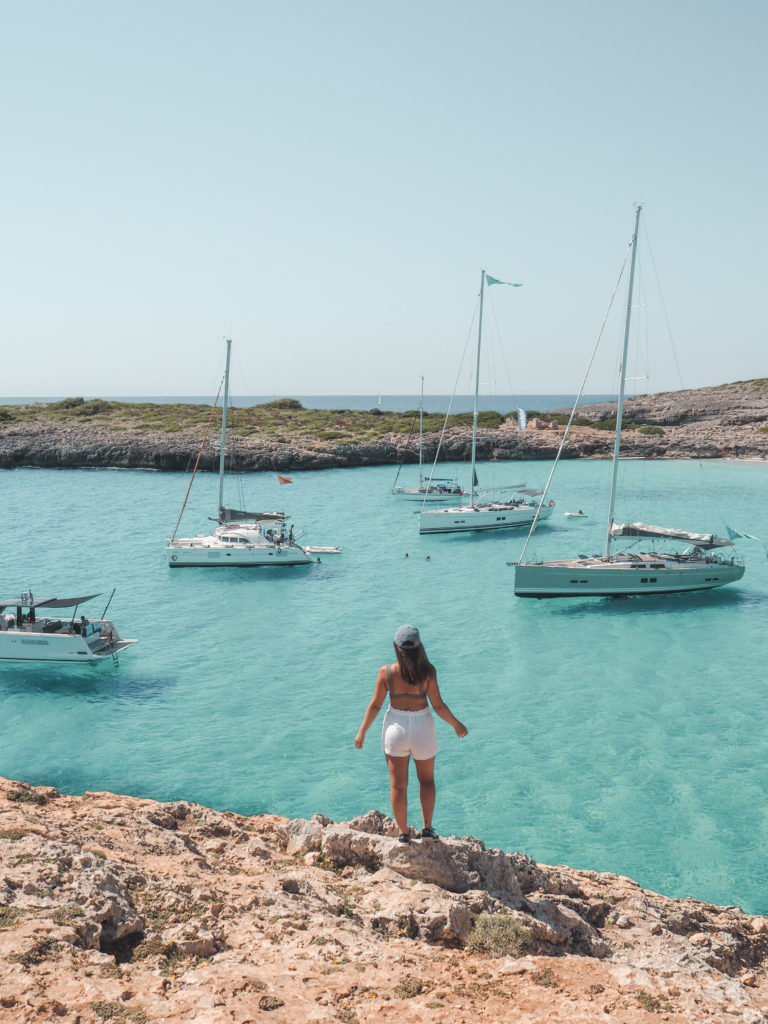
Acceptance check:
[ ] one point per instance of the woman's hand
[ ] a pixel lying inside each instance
(461, 730)
(359, 740)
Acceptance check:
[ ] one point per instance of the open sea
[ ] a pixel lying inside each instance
(388, 403)
(619, 735)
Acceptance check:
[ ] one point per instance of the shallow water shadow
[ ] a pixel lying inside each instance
(219, 573)
(97, 683)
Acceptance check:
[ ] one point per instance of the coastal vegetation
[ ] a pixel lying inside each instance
(281, 419)
(729, 420)
(603, 424)
(499, 935)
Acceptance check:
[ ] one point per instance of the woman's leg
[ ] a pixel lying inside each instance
(426, 773)
(398, 789)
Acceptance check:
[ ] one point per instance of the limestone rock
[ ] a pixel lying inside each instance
(107, 908)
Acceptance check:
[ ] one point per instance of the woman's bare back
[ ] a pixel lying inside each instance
(404, 696)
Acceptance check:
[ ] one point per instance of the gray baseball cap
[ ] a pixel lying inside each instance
(407, 637)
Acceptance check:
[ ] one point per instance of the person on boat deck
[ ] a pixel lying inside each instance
(409, 728)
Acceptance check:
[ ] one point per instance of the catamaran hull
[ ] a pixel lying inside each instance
(473, 520)
(622, 579)
(203, 557)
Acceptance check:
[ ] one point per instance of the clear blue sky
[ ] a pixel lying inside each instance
(323, 182)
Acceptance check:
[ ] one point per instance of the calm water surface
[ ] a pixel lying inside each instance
(625, 736)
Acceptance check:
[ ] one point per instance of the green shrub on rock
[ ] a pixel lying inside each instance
(500, 934)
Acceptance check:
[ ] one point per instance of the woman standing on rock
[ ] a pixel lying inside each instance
(409, 728)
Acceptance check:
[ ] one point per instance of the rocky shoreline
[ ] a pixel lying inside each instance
(125, 909)
(729, 421)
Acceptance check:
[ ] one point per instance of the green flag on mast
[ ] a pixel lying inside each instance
(495, 280)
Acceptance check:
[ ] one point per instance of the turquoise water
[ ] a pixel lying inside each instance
(625, 736)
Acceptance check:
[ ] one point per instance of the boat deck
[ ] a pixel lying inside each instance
(645, 560)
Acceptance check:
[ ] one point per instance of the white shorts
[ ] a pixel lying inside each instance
(409, 732)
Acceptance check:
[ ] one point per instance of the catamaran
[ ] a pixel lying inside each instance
(33, 629)
(519, 510)
(624, 573)
(242, 538)
(431, 488)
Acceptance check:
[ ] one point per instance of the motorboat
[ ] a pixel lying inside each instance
(46, 629)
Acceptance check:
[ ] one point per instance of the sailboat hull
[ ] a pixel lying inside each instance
(624, 577)
(476, 518)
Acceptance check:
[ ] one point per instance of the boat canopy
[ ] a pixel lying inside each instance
(702, 540)
(27, 601)
(235, 515)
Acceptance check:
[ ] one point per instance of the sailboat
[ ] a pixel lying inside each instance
(432, 488)
(242, 538)
(519, 510)
(625, 573)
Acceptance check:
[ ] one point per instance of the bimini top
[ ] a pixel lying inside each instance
(235, 515)
(703, 540)
(28, 601)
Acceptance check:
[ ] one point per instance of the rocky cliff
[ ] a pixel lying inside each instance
(727, 421)
(123, 909)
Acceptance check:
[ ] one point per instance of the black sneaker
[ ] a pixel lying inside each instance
(428, 835)
(404, 839)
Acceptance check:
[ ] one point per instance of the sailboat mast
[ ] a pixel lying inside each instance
(421, 429)
(477, 385)
(622, 377)
(223, 445)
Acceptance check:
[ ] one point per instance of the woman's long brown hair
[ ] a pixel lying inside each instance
(415, 666)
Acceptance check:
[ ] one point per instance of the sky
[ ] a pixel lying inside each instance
(323, 181)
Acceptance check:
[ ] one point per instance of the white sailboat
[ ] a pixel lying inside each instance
(431, 488)
(32, 629)
(519, 510)
(242, 538)
(625, 573)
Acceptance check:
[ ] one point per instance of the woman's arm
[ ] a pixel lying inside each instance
(442, 709)
(379, 694)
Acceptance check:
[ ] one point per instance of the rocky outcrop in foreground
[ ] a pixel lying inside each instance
(729, 421)
(123, 909)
